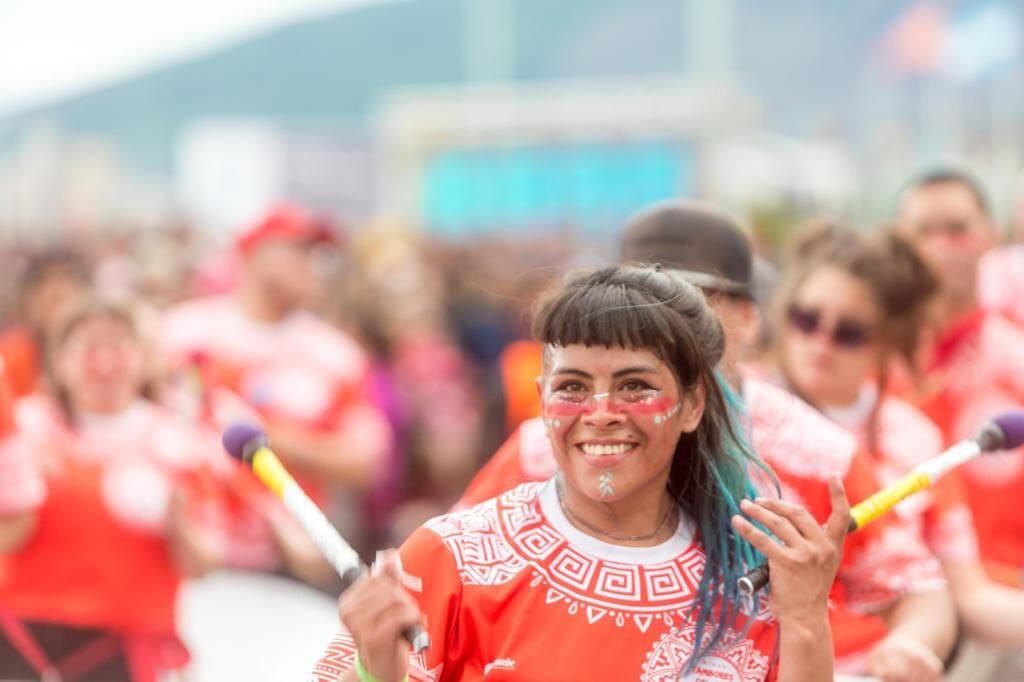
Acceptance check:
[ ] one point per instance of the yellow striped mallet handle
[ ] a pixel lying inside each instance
(249, 444)
(1004, 432)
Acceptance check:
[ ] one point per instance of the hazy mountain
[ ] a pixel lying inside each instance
(799, 56)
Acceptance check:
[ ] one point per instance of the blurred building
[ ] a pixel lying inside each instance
(52, 182)
(230, 169)
(552, 154)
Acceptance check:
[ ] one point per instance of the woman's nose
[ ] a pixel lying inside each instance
(602, 410)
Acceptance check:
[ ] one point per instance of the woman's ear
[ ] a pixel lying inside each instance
(692, 408)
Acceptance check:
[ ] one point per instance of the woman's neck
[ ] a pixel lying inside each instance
(646, 518)
(853, 415)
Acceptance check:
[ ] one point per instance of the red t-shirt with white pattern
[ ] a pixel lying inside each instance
(511, 590)
(880, 564)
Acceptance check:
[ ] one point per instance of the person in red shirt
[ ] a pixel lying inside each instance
(307, 380)
(106, 501)
(975, 366)
(635, 545)
(852, 304)
(886, 570)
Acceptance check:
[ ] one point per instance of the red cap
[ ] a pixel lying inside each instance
(285, 222)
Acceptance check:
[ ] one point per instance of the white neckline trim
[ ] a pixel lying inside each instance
(666, 551)
(135, 415)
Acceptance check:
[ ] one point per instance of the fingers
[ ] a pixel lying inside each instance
(798, 538)
(758, 538)
(375, 611)
(795, 514)
(838, 524)
(780, 525)
(388, 562)
(390, 621)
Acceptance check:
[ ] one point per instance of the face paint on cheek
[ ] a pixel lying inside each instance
(565, 409)
(668, 414)
(662, 408)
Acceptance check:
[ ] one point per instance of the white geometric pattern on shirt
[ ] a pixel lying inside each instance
(341, 657)
(494, 542)
(734, 659)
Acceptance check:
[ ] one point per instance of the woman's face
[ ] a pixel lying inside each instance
(829, 336)
(614, 417)
(101, 365)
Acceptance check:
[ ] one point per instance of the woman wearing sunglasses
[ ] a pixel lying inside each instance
(852, 307)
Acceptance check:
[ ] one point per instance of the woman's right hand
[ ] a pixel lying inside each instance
(375, 611)
(804, 557)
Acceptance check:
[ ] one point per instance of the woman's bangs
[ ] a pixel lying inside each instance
(611, 316)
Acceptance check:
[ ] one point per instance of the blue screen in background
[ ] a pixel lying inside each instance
(591, 186)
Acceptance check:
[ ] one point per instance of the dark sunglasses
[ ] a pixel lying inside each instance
(846, 334)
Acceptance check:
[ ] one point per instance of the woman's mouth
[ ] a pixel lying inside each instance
(605, 455)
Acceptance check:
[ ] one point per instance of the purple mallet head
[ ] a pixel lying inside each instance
(238, 437)
(1012, 425)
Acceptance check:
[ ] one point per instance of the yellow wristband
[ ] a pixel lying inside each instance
(364, 675)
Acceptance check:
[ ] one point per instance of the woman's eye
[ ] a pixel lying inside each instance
(636, 385)
(570, 387)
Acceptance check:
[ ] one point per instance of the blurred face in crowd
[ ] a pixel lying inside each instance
(829, 337)
(53, 289)
(286, 272)
(101, 365)
(741, 322)
(952, 231)
(614, 417)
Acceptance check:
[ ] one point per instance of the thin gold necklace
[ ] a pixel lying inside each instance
(614, 536)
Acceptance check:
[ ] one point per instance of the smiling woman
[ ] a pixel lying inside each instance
(635, 543)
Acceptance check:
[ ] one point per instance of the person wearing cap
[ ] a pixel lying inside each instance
(304, 378)
(890, 613)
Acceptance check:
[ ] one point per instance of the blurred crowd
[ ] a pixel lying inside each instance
(387, 367)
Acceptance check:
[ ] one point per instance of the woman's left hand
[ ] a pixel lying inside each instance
(803, 557)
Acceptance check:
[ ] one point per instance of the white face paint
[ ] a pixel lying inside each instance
(667, 414)
(605, 484)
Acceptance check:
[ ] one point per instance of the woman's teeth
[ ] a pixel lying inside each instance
(617, 449)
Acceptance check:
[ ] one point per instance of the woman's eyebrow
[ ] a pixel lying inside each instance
(573, 371)
(638, 369)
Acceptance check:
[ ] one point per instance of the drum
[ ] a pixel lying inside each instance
(254, 627)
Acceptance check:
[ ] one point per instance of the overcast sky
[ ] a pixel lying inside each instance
(51, 48)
